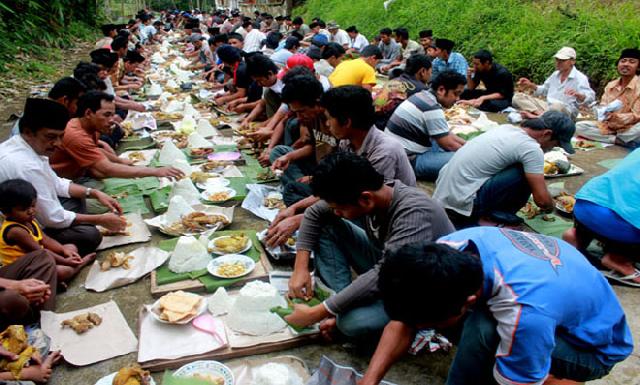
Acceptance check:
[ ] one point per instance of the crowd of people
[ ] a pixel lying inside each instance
(522, 307)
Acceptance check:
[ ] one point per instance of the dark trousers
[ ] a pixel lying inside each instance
(496, 105)
(16, 309)
(87, 238)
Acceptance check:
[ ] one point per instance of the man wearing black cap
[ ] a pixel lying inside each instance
(492, 176)
(621, 126)
(425, 39)
(25, 156)
(446, 59)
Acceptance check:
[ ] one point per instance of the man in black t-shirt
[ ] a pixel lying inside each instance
(497, 80)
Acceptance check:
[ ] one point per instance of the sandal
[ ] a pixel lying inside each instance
(623, 279)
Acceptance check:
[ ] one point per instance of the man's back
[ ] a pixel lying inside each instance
(353, 72)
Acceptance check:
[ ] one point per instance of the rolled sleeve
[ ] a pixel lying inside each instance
(49, 210)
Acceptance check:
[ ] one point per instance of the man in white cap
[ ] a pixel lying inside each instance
(338, 35)
(566, 89)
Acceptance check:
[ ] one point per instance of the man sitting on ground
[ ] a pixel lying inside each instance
(332, 55)
(623, 125)
(409, 47)
(80, 154)
(357, 41)
(541, 314)
(425, 38)
(389, 48)
(60, 209)
(291, 45)
(492, 176)
(416, 74)
(446, 59)
(565, 90)
(421, 127)
(393, 215)
(338, 35)
(497, 80)
(358, 72)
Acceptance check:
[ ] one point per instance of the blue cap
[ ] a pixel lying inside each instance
(320, 39)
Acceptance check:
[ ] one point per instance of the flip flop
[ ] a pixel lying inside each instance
(623, 279)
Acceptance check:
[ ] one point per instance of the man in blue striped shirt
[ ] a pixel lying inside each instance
(447, 59)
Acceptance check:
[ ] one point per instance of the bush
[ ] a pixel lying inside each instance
(522, 34)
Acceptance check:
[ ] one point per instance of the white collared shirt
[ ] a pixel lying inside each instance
(253, 41)
(341, 37)
(359, 42)
(19, 161)
(555, 90)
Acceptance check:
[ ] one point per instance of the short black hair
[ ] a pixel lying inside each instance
(273, 40)
(484, 56)
(371, 50)
(133, 56)
(448, 79)
(386, 31)
(297, 21)
(341, 177)
(119, 42)
(444, 276)
(229, 54)
(87, 73)
(259, 65)
(16, 193)
(212, 31)
(313, 25)
(69, 87)
(235, 35)
(104, 57)
(304, 89)
(352, 29)
(402, 32)
(416, 62)
(350, 102)
(333, 49)
(92, 100)
(220, 38)
(247, 23)
(297, 35)
(425, 33)
(296, 71)
(107, 28)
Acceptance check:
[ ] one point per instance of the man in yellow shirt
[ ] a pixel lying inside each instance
(358, 72)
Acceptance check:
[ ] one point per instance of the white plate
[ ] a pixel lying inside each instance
(205, 194)
(573, 170)
(163, 228)
(201, 309)
(206, 367)
(108, 380)
(561, 209)
(248, 263)
(156, 135)
(213, 183)
(213, 249)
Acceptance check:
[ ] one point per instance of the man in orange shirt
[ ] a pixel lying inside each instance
(81, 153)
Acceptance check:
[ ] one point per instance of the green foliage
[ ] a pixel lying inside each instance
(522, 34)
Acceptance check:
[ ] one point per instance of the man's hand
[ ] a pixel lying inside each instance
(262, 134)
(138, 107)
(303, 315)
(305, 179)
(112, 222)
(282, 163)
(4, 353)
(526, 83)
(278, 234)
(300, 285)
(264, 158)
(34, 290)
(283, 214)
(127, 162)
(571, 92)
(169, 172)
(107, 201)
(472, 102)
(70, 252)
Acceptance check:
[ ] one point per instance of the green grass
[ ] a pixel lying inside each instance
(522, 34)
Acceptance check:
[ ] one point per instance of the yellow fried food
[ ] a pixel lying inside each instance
(116, 260)
(214, 164)
(133, 375)
(550, 168)
(230, 270)
(219, 196)
(197, 222)
(137, 156)
(274, 203)
(209, 378)
(82, 322)
(530, 210)
(178, 306)
(231, 244)
(567, 201)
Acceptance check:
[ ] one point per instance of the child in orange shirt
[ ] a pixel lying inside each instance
(21, 234)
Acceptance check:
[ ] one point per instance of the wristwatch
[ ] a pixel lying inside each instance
(87, 192)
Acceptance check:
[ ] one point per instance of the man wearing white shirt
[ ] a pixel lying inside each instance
(338, 35)
(254, 38)
(566, 89)
(356, 40)
(25, 156)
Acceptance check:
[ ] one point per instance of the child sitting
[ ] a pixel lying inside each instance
(21, 234)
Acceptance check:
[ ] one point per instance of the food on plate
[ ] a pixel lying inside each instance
(231, 269)
(178, 306)
(550, 168)
(14, 339)
(137, 156)
(458, 115)
(584, 144)
(266, 175)
(202, 177)
(209, 378)
(160, 115)
(231, 244)
(132, 375)
(116, 259)
(214, 164)
(291, 242)
(274, 200)
(567, 201)
(219, 196)
(181, 140)
(559, 166)
(200, 152)
(82, 322)
(530, 210)
(197, 222)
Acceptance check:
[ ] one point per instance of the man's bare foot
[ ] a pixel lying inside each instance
(41, 373)
(528, 115)
(87, 259)
(327, 328)
(620, 264)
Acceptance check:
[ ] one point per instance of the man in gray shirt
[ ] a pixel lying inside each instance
(393, 215)
(390, 49)
(492, 176)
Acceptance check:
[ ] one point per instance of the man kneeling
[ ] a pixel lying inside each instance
(541, 312)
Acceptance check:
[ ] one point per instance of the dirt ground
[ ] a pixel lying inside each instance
(428, 368)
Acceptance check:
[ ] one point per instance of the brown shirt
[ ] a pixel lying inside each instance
(78, 152)
(629, 114)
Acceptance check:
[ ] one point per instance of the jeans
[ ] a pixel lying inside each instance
(343, 246)
(427, 165)
(292, 190)
(475, 358)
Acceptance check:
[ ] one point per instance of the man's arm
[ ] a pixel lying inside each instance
(450, 142)
(395, 342)
(539, 190)
(105, 168)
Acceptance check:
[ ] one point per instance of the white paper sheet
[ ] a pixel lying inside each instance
(228, 172)
(138, 232)
(254, 201)
(148, 156)
(111, 338)
(164, 341)
(160, 219)
(146, 259)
